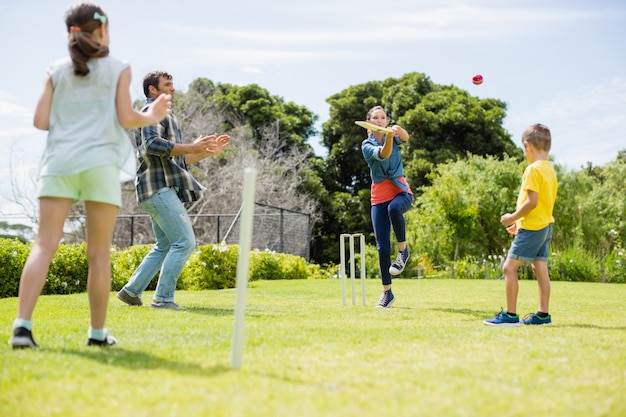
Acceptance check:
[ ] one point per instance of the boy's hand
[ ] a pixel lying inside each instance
(508, 221)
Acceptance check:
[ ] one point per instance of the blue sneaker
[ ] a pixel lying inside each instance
(533, 318)
(386, 299)
(503, 319)
(398, 265)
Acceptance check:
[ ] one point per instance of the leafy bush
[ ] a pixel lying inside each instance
(124, 262)
(316, 271)
(68, 270)
(615, 266)
(268, 265)
(215, 267)
(371, 262)
(469, 268)
(574, 264)
(211, 267)
(13, 254)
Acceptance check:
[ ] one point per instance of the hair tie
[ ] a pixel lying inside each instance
(74, 29)
(101, 18)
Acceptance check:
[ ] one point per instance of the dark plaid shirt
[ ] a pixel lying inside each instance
(157, 168)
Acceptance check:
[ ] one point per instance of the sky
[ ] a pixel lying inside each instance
(561, 62)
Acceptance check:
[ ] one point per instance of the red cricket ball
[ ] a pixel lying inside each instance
(477, 79)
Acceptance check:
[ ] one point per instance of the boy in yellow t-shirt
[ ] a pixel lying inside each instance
(531, 223)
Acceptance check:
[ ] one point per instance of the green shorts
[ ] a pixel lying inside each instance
(100, 184)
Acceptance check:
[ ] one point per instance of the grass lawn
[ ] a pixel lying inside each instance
(308, 355)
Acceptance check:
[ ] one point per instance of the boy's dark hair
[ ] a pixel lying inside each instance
(82, 20)
(539, 136)
(152, 79)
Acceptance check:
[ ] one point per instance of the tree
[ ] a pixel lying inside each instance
(459, 213)
(445, 124)
(252, 106)
(449, 124)
(266, 133)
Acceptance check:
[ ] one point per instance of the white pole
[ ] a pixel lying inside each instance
(243, 263)
(342, 267)
(362, 245)
(352, 270)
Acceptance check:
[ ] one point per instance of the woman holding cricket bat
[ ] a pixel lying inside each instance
(391, 196)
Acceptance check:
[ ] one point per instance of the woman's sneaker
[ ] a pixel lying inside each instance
(386, 299)
(398, 265)
(22, 338)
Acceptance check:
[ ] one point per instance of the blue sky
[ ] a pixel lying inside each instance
(561, 63)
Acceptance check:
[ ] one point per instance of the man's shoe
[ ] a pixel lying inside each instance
(533, 318)
(386, 299)
(22, 338)
(131, 300)
(398, 265)
(108, 341)
(166, 304)
(503, 319)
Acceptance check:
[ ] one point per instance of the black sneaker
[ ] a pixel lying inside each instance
(108, 341)
(386, 299)
(398, 265)
(22, 338)
(131, 300)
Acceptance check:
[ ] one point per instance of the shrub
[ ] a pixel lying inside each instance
(68, 270)
(124, 262)
(615, 266)
(215, 267)
(469, 268)
(268, 265)
(326, 271)
(574, 264)
(211, 267)
(13, 254)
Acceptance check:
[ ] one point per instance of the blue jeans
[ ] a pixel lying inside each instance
(175, 242)
(384, 216)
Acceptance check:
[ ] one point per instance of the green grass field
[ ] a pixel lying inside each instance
(308, 355)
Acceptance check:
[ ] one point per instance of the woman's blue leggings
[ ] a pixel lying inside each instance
(384, 216)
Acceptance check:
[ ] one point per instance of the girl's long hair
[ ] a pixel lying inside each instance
(82, 20)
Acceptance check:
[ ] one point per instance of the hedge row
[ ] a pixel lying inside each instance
(215, 267)
(210, 267)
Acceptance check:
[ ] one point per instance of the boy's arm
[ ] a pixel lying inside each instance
(522, 211)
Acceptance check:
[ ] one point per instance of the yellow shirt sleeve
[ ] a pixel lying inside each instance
(540, 178)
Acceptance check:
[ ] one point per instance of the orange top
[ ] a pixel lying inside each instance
(386, 190)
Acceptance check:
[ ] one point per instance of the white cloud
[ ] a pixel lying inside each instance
(359, 25)
(588, 124)
(254, 57)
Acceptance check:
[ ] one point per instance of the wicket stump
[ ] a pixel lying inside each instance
(342, 265)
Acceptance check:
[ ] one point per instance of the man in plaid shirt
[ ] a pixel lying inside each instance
(163, 184)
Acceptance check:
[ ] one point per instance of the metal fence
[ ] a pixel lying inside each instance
(275, 228)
